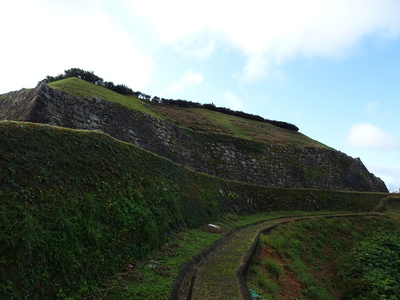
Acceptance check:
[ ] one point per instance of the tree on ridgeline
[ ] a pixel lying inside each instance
(124, 90)
(75, 72)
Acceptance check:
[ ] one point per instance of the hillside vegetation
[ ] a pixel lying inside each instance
(76, 204)
(122, 89)
(81, 88)
(197, 119)
(336, 258)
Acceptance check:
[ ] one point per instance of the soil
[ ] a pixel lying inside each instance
(291, 285)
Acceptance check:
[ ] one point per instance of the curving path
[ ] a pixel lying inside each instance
(218, 272)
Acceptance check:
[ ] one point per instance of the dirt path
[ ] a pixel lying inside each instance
(219, 274)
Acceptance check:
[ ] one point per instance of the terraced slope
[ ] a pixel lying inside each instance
(221, 145)
(77, 204)
(197, 119)
(220, 274)
(81, 88)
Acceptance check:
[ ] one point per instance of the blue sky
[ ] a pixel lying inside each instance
(331, 67)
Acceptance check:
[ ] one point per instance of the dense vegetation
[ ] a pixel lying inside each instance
(77, 205)
(371, 269)
(153, 277)
(124, 90)
(302, 260)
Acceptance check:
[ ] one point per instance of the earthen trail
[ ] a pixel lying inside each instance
(219, 274)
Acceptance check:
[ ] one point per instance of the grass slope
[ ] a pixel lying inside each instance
(81, 88)
(307, 260)
(76, 205)
(193, 118)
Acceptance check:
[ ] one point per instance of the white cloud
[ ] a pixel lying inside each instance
(390, 175)
(367, 135)
(269, 33)
(174, 19)
(233, 101)
(200, 45)
(44, 41)
(48, 36)
(257, 67)
(188, 78)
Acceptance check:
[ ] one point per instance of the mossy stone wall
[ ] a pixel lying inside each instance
(218, 155)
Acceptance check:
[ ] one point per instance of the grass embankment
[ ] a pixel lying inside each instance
(313, 259)
(81, 88)
(153, 276)
(197, 119)
(76, 206)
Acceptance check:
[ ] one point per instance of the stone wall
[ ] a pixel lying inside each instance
(222, 156)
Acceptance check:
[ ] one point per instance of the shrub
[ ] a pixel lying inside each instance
(371, 270)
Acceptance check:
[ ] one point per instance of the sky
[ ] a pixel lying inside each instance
(331, 67)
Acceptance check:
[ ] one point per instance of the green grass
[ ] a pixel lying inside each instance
(371, 269)
(155, 281)
(77, 206)
(225, 122)
(312, 251)
(197, 119)
(272, 267)
(152, 277)
(81, 88)
(259, 131)
(266, 284)
(204, 120)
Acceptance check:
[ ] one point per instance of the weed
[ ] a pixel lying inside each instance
(265, 283)
(272, 267)
(316, 292)
(371, 269)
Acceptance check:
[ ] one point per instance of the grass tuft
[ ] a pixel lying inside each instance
(272, 267)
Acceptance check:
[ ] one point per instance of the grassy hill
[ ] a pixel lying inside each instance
(76, 204)
(197, 119)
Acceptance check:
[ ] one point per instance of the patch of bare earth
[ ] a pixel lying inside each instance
(290, 285)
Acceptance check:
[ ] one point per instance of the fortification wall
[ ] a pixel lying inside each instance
(218, 155)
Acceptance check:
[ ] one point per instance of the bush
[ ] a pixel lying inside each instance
(124, 90)
(371, 270)
(75, 72)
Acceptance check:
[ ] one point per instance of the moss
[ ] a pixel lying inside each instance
(315, 174)
(74, 198)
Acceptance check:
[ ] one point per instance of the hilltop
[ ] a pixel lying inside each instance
(197, 119)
